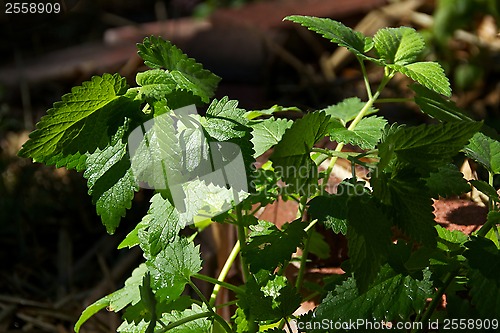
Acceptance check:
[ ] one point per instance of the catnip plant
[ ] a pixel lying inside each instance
(399, 258)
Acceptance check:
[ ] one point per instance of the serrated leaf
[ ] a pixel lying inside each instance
(366, 134)
(200, 325)
(331, 210)
(225, 122)
(446, 181)
(391, 297)
(483, 255)
(268, 133)
(155, 84)
(275, 248)
(186, 72)
(425, 145)
(485, 294)
(484, 150)
(369, 237)
(398, 45)
(129, 294)
(79, 122)
(348, 109)
(413, 209)
(163, 224)
(291, 160)
(172, 268)
(450, 240)
(336, 32)
(255, 303)
(111, 181)
(436, 106)
(429, 74)
(486, 189)
(156, 153)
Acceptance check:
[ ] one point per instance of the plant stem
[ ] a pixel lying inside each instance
(394, 100)
(303, 261)
(219, 282)
(222, 275)
(221, 320)
(355, 122)
(435, 301)
(242, 237)
(491, 206)
(365, 78)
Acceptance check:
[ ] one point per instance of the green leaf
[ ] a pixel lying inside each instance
(484, 276)
(111, 181)
(291, 160)
(331, 210)
(450, 240)
(155, 84)
(200, 325)
(436, 106)
(132, 238)
(156, 156)
(412, 209)
(267, 251)
(163, 224)
(391, 297)
(129, 294)
(348, 109)
(425, 146)
(250, 115)
(398, 45)
(79, 122)
(186, 72)
(255, 303)
(268, 133)
(429, 74)
(173, 267)
(336, 32)
(484, 150)
(366, 134)
(486, 189)
(225, 122)
(369, 237)
(446, 181)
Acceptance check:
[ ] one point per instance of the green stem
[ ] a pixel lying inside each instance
(435, 301)
(491, 206)
(219, 319)
(303, 260)
(356, 121)
(394, 100)
(365, 78)
(242, 238)
(219, 282)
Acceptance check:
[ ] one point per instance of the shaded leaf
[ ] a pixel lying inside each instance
(291, 160)
(391, 297)
(447, 180)
(484, 150)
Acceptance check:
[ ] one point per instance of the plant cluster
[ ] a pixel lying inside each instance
(389, 275)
